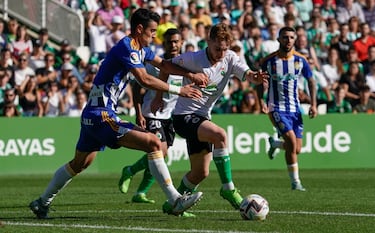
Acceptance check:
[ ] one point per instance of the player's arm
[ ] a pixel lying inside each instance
(138, 93)
(312, 89)
(148, 81)
(200, 79)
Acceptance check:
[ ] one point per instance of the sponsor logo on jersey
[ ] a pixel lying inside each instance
(134, 58)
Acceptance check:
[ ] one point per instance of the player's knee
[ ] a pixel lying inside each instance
(220, 136)
(154, 143)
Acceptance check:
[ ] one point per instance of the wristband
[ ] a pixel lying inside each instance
(174, 89)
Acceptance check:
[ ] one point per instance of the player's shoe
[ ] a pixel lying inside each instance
(298, 187)
(142, 198)
(39, 209)
(182, 204)
(271, 150)
(125, 179)
(233, 196)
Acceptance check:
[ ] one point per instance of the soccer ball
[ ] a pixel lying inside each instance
(254, 207)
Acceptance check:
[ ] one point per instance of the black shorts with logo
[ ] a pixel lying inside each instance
(186, 126)
(162, 128)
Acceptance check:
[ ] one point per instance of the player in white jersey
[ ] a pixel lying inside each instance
(192, 118)
(285, 67)
(159, 123)
(101, 127)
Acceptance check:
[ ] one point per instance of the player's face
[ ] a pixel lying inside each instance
(148, 34)
(217, 50)
(172, 45)
(287, 40)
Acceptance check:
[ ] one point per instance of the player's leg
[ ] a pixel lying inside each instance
(151, 144)
(61, 178)
(274, 143)
(129, 171)
(210, 132)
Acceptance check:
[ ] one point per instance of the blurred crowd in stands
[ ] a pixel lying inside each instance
(336, 36)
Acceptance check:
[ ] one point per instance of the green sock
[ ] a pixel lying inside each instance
(147, 181)
(190, 188)
(224, 168)
(140, 165)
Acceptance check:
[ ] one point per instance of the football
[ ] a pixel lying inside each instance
(254, 207)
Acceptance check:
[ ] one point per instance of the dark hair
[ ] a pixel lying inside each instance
(144, 17)
(286, 29)
(170, 32)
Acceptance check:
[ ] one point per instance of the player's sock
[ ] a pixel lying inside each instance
(160, 171)
(222, 162)
(140, 165)
(186, 186)
(293, 173)
(278, 144)
(147, 181)
(62, 177)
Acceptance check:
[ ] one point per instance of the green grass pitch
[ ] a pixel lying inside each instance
(335, 201)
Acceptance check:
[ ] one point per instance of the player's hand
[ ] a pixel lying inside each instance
(190, 92)
(141, 121)
(259, 77)
(200, 79)
(264, 108)
(313, 112)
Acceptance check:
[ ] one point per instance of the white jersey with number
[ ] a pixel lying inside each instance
(169, 100)
(218, 77)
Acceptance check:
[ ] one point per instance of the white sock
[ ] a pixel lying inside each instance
(61, 178)
(159, 170)
(294, 173)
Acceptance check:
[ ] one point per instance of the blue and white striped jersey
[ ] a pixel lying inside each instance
(284, 73)
(113, 74)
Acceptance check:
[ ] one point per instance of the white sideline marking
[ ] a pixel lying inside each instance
(216, 211)
(142, 229)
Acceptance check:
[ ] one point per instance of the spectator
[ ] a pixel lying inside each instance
(7, 64)
(249, 102)
(343, 44)
(188, 37)
(89, 78)
(53, 103)
(370, 79)
(365, 105)
(369, 13)
(200, 15)
(10, 110)
(36, 58)
(352, 56)
(328, 9)
(71, 57)
(165, 24)
(370, 58)
(22, 43)
(108, 10)
(255, 53)
(4, 83)
(23, 70)
(12, 30)
(316, 37)
(30, 98)
(70, 93)
(362, 44)
(65, 72)
(3, 38)
(333, 69)
(302, 46)
(154, 7)
(354, 32)
(80, 103)
(351, 81)
(97, 33)
(116, 32)
(339, 104)
(271, 44)
(46, 74)
(66, 52)
(304, 8)
(332, 34)
(347, 9)
(43, 36)
(268, 13)
(10, 97)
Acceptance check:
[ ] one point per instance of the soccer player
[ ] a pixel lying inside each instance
(192, 117)
(285, 67)
(100, 126)
(159, 123)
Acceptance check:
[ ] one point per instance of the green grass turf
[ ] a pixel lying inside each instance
(335, 201)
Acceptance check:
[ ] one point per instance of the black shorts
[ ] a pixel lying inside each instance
(162, 128)
(187, 127)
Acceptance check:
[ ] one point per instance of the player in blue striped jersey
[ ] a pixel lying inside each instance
(101, 127)
(285, 67)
